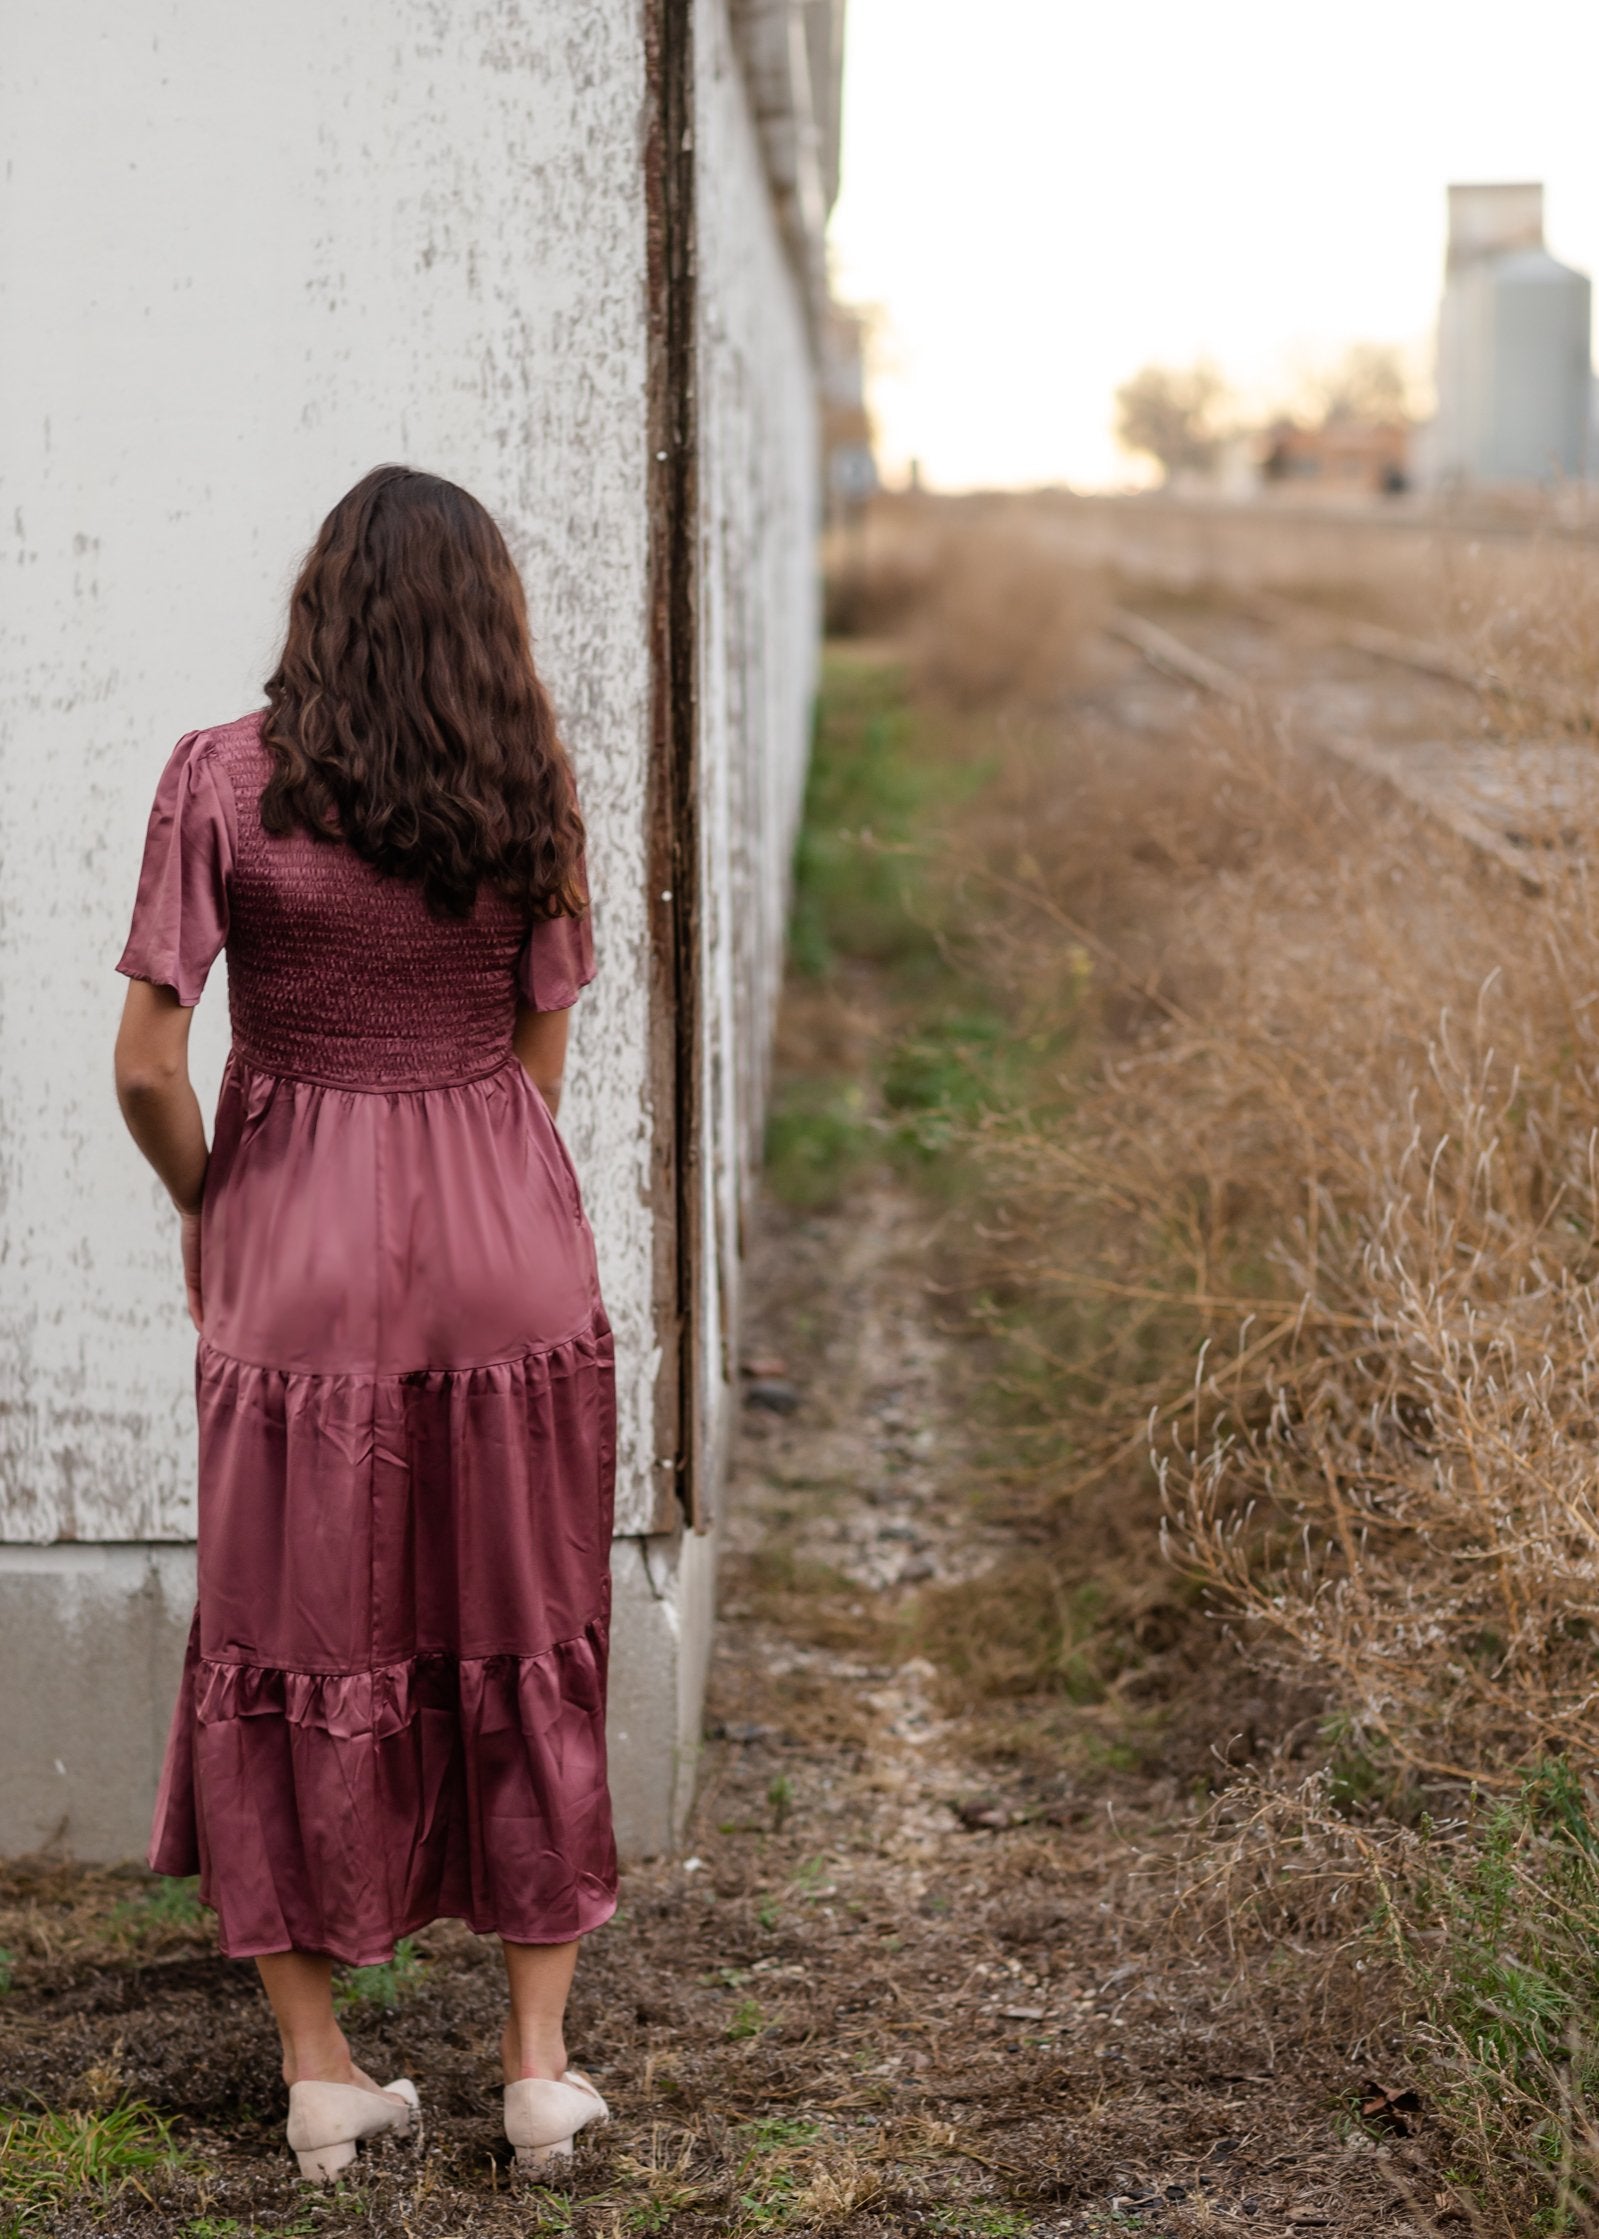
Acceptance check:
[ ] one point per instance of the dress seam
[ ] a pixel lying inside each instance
(417, 1656)
(373, 1088)
(489, 1923)
(374, 1523)
(399, 1375)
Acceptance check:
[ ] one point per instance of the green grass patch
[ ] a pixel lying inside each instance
(819, 1136)
(859, 890)
(661, 2212)
(51, 2161)
(1497, 1933)
(942, 1070)
(381, 1988)
(162, 1905)
(773, 2164)
(872, 889)
(551, 2215)
(1515, 1913)
(949, 1061)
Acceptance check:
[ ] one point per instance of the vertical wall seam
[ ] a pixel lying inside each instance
(673, 840)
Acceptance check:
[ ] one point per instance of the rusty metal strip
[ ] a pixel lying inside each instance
(673, 793)
(1478, 834)
(1173, 658)
(1372, 638)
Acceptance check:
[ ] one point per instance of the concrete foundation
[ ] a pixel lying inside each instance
(660, 1647)
(91, 1646)
(567, 252)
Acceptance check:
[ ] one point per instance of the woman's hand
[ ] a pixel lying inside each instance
(189, 1233)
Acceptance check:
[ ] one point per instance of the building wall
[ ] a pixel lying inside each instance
(250, 254)
(1514, 375)
(1543, 372)
(755, 596)
(760, 487)
(1514, 364)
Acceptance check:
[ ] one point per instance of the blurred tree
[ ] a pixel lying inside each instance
(1369, 382)
(1173, 415)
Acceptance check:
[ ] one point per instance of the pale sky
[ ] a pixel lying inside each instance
(1041, 196)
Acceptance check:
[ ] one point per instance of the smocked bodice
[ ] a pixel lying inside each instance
(334, 972)
(338, 974)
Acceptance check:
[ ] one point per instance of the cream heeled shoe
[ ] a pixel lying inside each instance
(325, 2120)
(543, 2116)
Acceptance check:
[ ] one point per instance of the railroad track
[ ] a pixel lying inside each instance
(1172, 657)
(1521, 806)
(1372, 638)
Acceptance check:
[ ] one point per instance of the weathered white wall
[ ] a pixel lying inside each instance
(250, 252)
(760, 486)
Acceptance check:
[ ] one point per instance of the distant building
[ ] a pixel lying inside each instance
(1340, 458)
(1514, 354)
(850, 465)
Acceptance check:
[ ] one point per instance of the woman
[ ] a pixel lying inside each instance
(392, 1707)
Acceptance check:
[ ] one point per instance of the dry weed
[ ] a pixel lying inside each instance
(962, 590)
(1309, 1212)
(1333, 1158)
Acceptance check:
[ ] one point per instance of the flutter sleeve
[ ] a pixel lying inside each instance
(557, 958)
(180, 913)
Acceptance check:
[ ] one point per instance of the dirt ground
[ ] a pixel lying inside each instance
(906, 1978)
(895, 1986)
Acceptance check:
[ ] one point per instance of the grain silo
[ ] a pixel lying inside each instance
(1514, 355)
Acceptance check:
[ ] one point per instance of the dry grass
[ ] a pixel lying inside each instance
(892, 1989)
(1342, 1133)
(1019, 1900)
(1308, 1214)
(965, 596)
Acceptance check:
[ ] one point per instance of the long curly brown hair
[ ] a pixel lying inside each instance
(405, 715)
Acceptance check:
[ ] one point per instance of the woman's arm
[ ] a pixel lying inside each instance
(540, 1043)
(162, 1111)
(153, 1089)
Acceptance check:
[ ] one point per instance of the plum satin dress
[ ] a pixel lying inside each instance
(392, 1707)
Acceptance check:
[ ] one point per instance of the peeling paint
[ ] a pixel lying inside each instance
(374, 255)
(426, 236)
(758, 621)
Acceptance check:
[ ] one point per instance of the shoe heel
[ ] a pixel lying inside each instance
(542, 2161)
(322, 2163)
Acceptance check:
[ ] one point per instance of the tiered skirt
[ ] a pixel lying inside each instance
(392, 1707)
